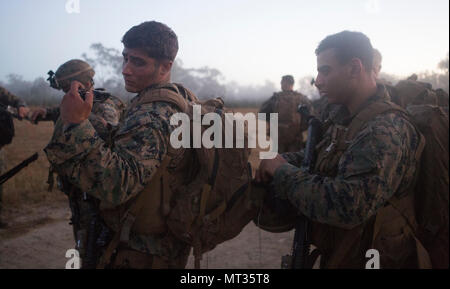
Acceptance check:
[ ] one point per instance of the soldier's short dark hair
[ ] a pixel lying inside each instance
(157, 39)
(348, 45)
(288, 79)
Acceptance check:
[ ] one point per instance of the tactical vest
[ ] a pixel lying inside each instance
(390, 230)
(198, 197)
(290, 125)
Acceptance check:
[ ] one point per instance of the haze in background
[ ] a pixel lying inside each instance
(236, 49)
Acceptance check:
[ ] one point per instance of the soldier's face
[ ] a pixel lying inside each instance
(286, 86)
(139, 70)
(332, 77)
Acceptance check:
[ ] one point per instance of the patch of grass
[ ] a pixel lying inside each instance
(29, 186)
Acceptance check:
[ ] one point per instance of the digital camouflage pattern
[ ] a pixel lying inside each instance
(7, 98)
(105, 115)
(348, 187)
(290, 124)
(108, 106)
(117, 172)
(379, 161)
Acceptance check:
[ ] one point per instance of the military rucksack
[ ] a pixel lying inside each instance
(430, 223)
(432, 189)
(203, 194)
(413, 92)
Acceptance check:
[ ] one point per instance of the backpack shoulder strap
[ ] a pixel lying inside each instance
(168, 93)
(377, 108)
(369, 113)
(186, 93)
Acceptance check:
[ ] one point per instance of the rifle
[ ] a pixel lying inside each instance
(91, 233)
(302, 242)
(9, 174)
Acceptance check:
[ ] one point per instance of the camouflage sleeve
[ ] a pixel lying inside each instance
(109, 110)
(114, 174)
(7, 98)
(376, 164)
(294, 158)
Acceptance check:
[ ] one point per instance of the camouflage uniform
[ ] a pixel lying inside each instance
(7, 98)
(107, 108)
(290, 125)
(349, 187)
(117, 173)
(105, 116)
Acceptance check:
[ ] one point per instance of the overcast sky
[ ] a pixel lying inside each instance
(248, 41)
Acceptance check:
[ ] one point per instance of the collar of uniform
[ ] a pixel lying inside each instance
(342, 115)
(150, 87)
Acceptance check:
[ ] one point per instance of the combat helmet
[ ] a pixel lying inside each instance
(74, 69)
(275, 215)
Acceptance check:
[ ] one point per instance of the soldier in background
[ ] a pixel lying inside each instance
(290, 124)
(7, 98)
(410, 91)
(107, 106)
(106, 113)
(7, 129)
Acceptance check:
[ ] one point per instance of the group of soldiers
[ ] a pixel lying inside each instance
(106, 154)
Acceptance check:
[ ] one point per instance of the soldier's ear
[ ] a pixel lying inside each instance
(165, 66)
(356, 67)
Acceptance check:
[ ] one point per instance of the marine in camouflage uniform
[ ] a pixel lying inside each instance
(353, 180)
(105, 116)
(7, 98)
(290, 124)
(118, 173)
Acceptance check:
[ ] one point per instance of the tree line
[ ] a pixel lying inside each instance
(205, 82)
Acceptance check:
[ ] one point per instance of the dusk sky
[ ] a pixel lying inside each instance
(248, 41)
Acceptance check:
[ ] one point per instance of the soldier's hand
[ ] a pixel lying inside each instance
(73, 108)
(38, 113)
(23, 111)
(267, 169)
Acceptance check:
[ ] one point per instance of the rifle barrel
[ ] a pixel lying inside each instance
(9, 174)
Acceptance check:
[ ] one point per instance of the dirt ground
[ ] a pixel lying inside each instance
(38, 233)
(38, 238)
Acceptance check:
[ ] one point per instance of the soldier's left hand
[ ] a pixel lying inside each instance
(73, 108)
(267, 169)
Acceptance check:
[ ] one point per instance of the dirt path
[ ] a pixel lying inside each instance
(38, 238)
(39, 235)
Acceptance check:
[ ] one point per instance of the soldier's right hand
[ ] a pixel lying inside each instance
(38, 114)
(73, 108)
(23, 111)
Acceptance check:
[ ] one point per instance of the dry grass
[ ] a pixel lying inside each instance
(29, 186)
